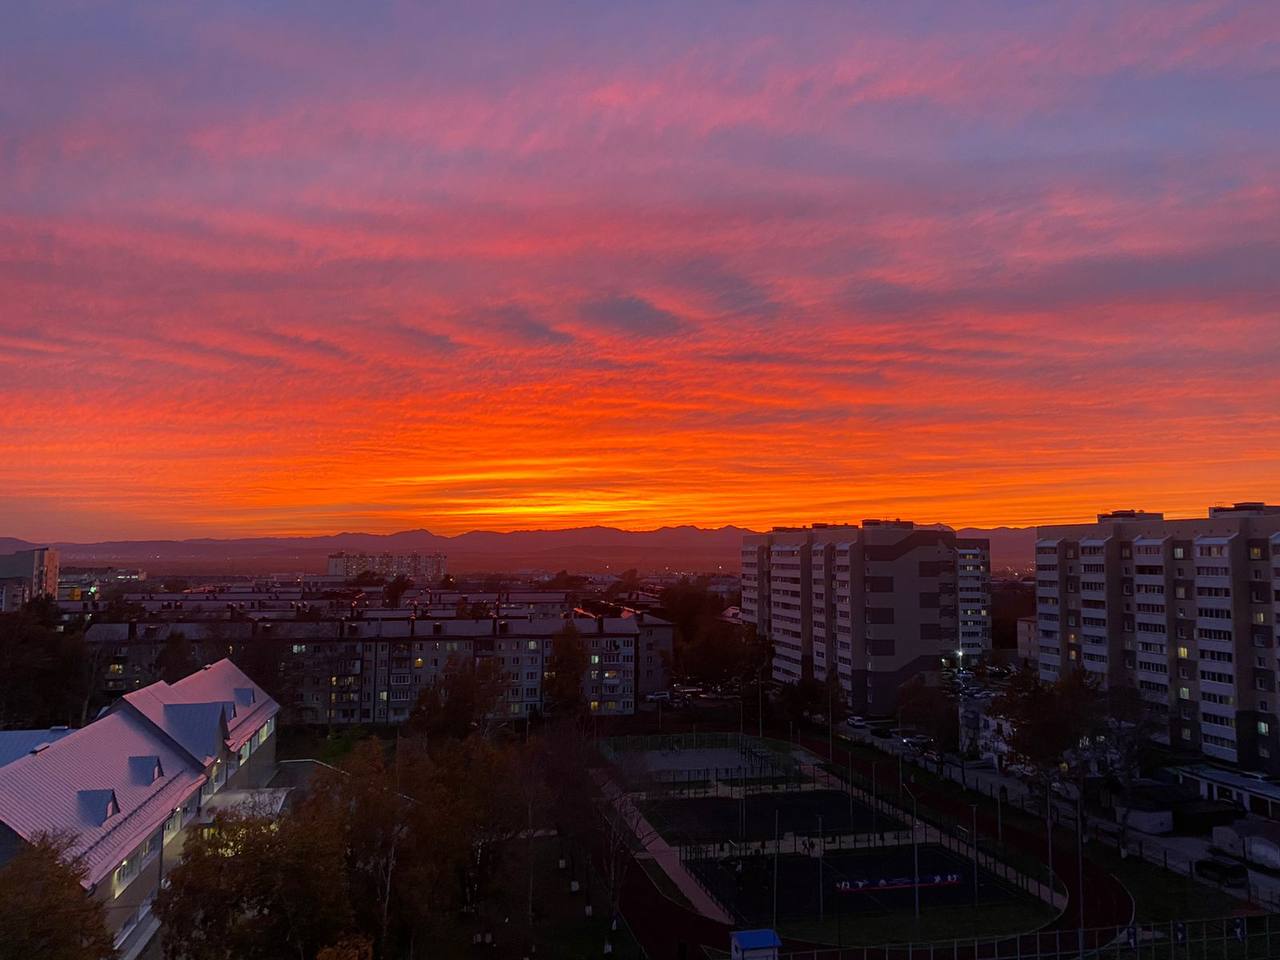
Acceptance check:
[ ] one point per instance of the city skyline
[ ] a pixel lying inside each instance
(317, 268)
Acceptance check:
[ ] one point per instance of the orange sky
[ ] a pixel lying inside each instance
(300, 272)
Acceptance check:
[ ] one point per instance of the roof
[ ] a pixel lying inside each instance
(755, 939)
(18, 743)
(109, 785)
(218, 702)
(1262, 788)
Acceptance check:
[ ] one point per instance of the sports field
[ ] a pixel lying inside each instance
(852, 883)
(803, 813)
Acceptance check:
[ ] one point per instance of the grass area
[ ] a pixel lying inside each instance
(1160, 895)
(312, 743)
(939, 923)
(560, 927)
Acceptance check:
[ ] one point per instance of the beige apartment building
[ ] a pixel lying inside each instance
(874, 604)
(1185, 610)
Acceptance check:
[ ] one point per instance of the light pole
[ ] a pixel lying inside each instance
(915, 851)
(776, 844)
(831, 726)
(974, 839)
(874, 764)
(1080, 861)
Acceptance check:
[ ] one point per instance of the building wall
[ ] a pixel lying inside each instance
(425, 568)
(38, 567)
(1185, 610)
(875, 605)
(371, 671)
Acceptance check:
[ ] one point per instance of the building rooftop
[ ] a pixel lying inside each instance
(108, 785)
(18, 743)
(218, 702)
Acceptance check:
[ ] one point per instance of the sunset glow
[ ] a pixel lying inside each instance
(321, 267)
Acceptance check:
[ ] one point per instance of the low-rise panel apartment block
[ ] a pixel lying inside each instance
(1185, 610)
(874, 604)
(372, 670)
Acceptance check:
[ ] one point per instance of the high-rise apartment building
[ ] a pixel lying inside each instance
(973, 597)
(38, 568)
(874, 604)
(1185, 610)
(423, 568)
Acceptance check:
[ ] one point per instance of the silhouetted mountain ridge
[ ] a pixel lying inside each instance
(591, 548)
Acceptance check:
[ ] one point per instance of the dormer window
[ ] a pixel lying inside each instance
(113, 807)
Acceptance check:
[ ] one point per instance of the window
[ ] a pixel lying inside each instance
(1264, 728)
(1184, 693)
(1183, 653)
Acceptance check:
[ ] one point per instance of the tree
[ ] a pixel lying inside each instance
(803, 699)
(464, 697)
(44, 911)
(176, 658)
(447, 582)
(628, 582)
(349, 948)
(562, 684)
(367, 578)
(48, 674)
(257, 888)
(394, 591)
(928, 708)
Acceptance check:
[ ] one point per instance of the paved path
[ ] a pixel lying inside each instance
(666, 856)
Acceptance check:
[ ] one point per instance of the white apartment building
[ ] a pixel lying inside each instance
(973, 597)
(874, 604)
(1185, 610)
(38, 568)
(422, 568)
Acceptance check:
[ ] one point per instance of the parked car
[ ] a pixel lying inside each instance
(658, 696)
(858, 723)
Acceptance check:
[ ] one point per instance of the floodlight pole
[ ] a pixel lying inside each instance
(822, 913)
(974, 840)
(915, 849)
(776, 844)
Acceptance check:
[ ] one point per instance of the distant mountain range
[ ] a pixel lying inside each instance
(582, 549)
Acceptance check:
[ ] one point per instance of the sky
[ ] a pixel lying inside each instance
(302, 267)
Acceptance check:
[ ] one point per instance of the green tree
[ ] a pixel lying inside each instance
(44, 911)
(250, 887)
(394, 591)
(562, 683)
(176, 658)
(463, 698)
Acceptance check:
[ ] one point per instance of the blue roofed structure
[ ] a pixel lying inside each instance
(754, 945)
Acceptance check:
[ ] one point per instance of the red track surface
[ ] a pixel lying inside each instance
(662, 927)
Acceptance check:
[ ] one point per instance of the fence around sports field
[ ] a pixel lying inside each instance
(1222, 938)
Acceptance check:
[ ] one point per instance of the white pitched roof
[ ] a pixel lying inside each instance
(217, 703)
(108, 785)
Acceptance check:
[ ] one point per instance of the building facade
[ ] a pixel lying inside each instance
(38, 568)
(422, 568)
(371, 670)
(1184, 610)
(973, 597)
(873, 605)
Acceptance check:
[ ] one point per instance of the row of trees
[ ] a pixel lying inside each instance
(404, 847)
